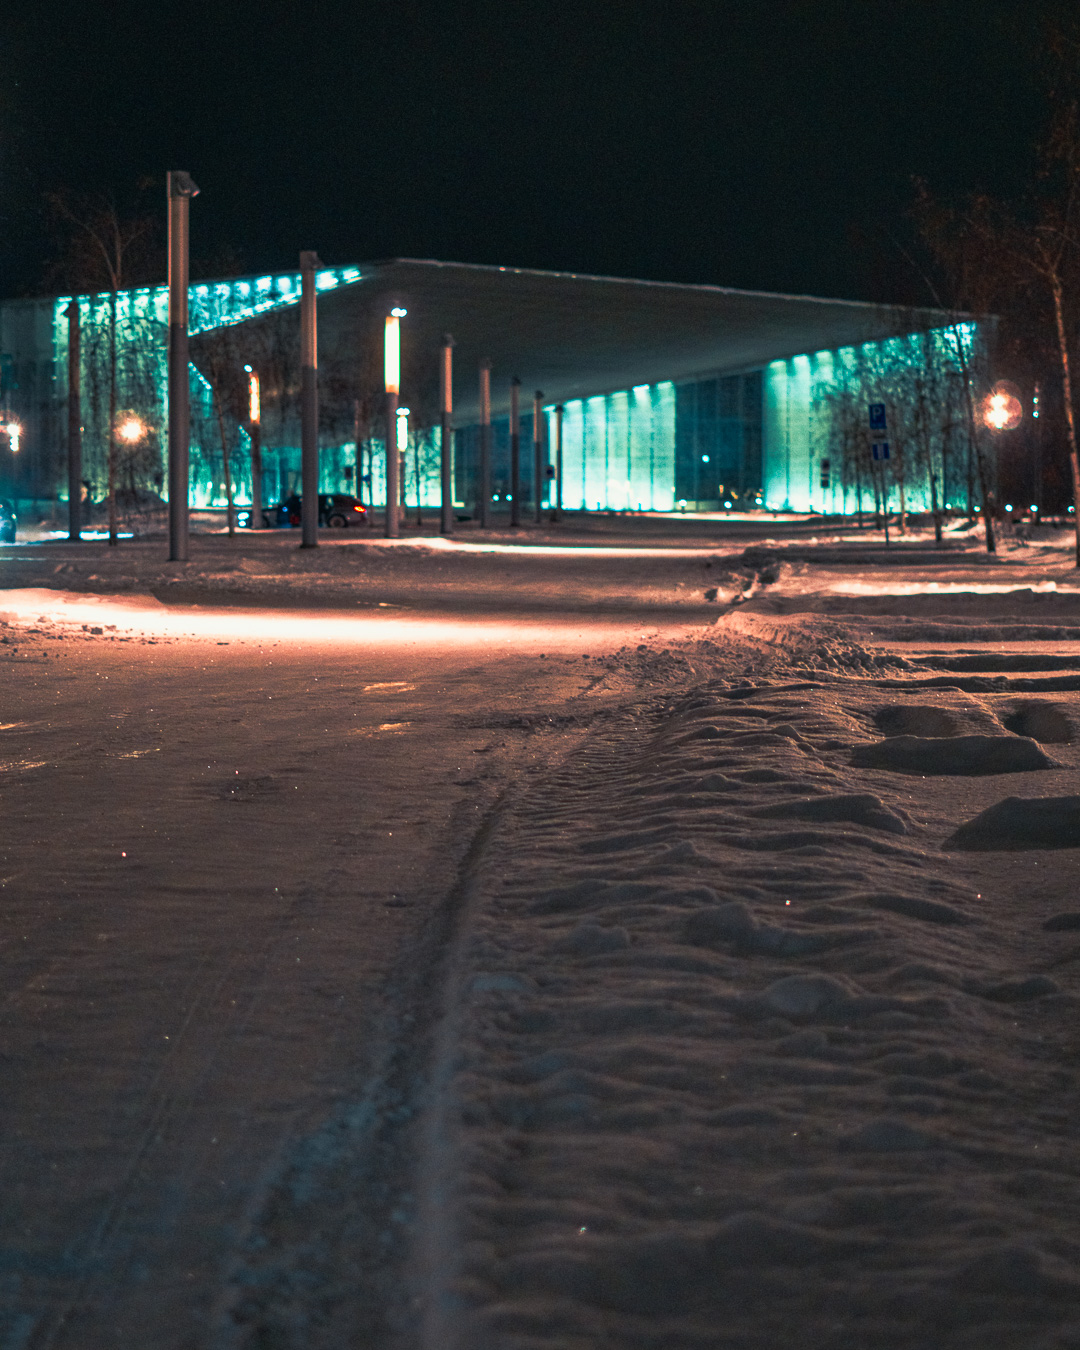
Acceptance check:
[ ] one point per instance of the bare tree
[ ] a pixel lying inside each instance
(105, 249)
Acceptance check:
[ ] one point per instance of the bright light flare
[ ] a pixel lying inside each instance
(131, 430)
(403, 429)
(254, 406)
(14, 435)
(1001, 409)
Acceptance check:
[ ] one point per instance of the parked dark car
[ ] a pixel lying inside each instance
(8, 522)
(337, 510)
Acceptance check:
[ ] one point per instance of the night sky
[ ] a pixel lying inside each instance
(762, 145)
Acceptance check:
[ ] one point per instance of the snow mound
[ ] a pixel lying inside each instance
(858, 808)
(1042, 722)
(960, 755)
(916, 719)
(1023, 822)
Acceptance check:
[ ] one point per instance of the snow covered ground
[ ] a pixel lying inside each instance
(521, 948)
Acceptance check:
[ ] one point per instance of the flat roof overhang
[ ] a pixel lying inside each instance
(574, 336)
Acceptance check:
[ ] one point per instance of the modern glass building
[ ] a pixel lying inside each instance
(671, 397)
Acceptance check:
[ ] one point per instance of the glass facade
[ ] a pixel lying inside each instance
(141, 320)
(818, 449)
(618, 450)
(718, 442)
(790, 437)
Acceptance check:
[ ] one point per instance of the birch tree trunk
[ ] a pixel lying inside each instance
(1070, 416)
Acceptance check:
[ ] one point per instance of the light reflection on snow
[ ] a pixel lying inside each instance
(889, 587)
(145, 616)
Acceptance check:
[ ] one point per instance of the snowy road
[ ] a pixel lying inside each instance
(220, 858)
(404, 977)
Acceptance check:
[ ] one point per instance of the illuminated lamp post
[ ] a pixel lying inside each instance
(1001, 411)
(13, 431)
(485, 444)
(179, 189)
(446, 444)
(74, 411)
(515, 452)
(392, 384)
(1037, 505)
(557, 513)
(309, 404)
(538, 465)
(255, 433)
(401, 441)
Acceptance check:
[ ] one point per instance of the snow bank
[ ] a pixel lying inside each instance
(736, 1058)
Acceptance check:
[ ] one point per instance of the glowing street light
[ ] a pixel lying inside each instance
(392, 385)
(13, 431)
(255, 436)
(1001, 409)
(446, 413)
(131, 430)
(254, 407)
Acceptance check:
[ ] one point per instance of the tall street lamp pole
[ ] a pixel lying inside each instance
(180, 190)
(392, 384)
(485, 444)
(309, 404)
(74, 411)
(557, 513)
(446, 444)
(515, 451)
(538, 466)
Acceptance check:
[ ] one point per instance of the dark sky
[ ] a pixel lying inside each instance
(734, 142)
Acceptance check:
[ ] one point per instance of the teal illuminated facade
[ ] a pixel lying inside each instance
(674, 398)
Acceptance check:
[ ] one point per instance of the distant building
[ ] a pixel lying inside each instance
(673, 397)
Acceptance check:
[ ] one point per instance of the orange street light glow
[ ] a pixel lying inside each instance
(254, 407)
(130, 430)
(1001, 410)
(392, 353)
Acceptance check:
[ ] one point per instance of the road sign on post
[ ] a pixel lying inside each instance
(880, 449)
(877, 416)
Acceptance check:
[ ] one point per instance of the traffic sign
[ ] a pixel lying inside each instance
(877, 416)
(880, 449)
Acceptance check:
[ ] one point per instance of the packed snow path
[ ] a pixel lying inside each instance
(223, 867)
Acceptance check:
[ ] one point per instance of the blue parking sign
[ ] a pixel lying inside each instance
(877, 416)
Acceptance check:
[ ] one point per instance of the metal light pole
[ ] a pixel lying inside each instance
(255, 432)
(392, 384)
(538, 466)
(557, 513)
(515, 451)
(74, 410)
(180, 190)
(309, 404)
(485, 444)
(1037, 421)
(446, 464)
